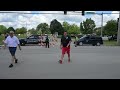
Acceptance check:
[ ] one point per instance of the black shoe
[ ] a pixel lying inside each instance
(11, 65)
(16, 61)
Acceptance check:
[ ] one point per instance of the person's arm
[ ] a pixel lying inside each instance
(69, 42)
(19, 46)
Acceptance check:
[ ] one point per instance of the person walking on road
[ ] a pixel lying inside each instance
(65, 46)
(76, 39)
(12, 42)
(47, 42)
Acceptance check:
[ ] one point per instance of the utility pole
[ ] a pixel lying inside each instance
(102, 25)
(118, 35)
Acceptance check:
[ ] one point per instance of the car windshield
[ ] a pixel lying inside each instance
(83, 37)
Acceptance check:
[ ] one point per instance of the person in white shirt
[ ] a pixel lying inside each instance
(12, 42)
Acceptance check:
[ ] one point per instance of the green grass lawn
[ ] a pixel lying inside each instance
(110, 43)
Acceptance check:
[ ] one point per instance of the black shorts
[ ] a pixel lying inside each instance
(12, 50)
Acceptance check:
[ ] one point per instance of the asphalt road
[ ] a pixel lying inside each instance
(88, 62)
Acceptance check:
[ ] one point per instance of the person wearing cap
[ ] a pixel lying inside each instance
(12, 42)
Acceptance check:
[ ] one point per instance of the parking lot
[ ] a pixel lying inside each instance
(88, 62)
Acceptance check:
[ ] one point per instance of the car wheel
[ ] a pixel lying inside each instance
(81, 44)
(98, 44)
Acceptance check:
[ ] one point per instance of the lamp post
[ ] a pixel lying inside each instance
(102, 25)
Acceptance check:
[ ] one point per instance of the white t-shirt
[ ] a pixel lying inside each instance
(12, 42)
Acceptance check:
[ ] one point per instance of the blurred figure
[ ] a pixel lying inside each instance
(76, 39)
(47, 42)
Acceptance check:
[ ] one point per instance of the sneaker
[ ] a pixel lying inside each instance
(16, 61)
(11, 65)
(60, 61)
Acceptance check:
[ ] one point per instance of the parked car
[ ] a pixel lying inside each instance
(79, 36)
(92, 40)
(33, 39)
(112, 37)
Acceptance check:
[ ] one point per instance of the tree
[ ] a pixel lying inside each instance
(32, 31)
(44, 27)
(22, 30)
(66, 26)
(111, 27)
(73, 29)
(10, 29)
(98, 31)
(56, 26)
(39, 32)
(3, 29)
(88, 26)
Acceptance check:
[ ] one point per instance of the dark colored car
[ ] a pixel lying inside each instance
(33, 39)
(112, 37)
(79, 36)
(92, 40)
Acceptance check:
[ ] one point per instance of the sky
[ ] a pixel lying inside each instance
(32, 20)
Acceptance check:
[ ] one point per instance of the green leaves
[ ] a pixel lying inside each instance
(3, 29)
(43, 28)
(88, 26)
(56, 26)
(10, 29)
(32, 31)
(22, 30)
(111, 27)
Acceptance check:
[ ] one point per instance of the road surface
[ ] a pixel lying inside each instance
(88, 62)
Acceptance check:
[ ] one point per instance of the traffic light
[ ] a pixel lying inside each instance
(83, 13)
(65, 12)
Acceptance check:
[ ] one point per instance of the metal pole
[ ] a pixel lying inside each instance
(102, 24)
(118, 36)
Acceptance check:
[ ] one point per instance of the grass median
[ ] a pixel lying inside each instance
(110, 43)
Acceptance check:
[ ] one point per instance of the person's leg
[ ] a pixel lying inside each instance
(75, 43)
(16, 60)
(12, 60)
(48, 44)
(13, 54)
(68, 52)
(62, 56)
